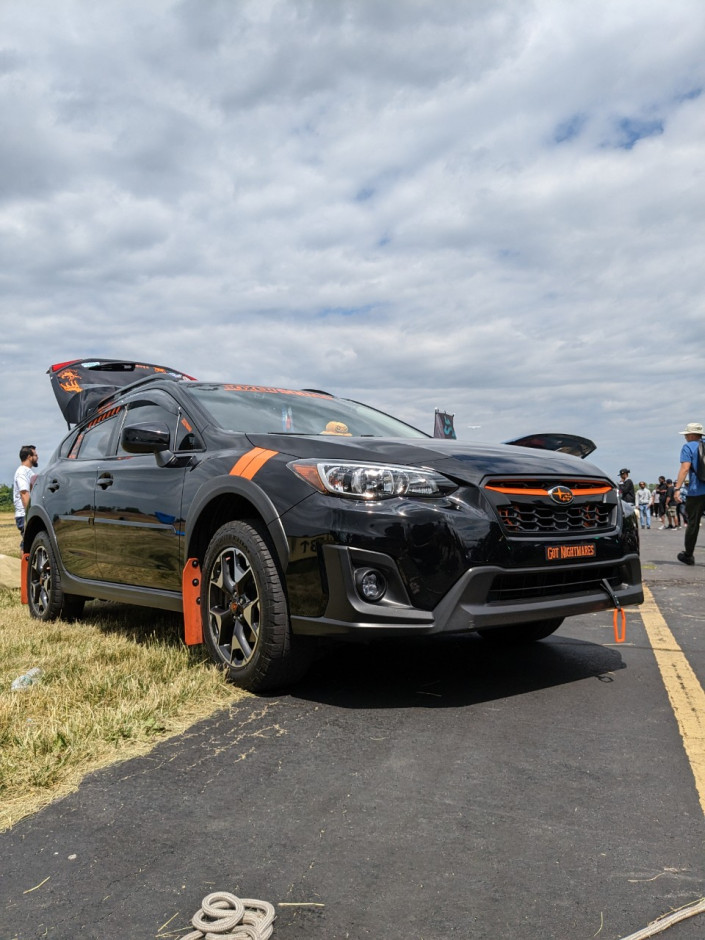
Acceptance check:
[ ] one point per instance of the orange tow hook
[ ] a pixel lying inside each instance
(620, 631)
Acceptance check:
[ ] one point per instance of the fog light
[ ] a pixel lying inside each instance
(371, 584)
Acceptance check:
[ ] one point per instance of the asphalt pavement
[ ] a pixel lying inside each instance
(406, 791)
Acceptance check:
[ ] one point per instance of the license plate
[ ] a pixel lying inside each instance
(571, 552)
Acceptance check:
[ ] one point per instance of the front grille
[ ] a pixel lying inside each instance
(531, 517)
(525, 586)
(527, 507)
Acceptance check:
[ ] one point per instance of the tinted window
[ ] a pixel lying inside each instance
(148, 413)
(67, 445)
(96, 441)
(187, 437)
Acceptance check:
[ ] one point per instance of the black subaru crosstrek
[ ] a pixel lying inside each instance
(270, 516)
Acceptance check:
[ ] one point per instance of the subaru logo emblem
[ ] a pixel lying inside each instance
(561, 494)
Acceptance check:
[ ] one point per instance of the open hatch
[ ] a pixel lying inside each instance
(563, 443)
(80, 385)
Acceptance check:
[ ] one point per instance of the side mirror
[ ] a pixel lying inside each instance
(146, 439)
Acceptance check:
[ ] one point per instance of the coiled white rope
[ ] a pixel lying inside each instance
(668, 920)
(224, 916)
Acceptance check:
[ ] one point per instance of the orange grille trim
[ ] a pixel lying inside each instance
(522, 491)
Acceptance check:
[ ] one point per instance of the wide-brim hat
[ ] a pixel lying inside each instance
(693, 428)
(337, 427)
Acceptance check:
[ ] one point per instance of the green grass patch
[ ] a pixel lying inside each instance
(112, 685)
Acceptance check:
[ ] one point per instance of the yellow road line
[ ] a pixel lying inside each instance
(684, 691)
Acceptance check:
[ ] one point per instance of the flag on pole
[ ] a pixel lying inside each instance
(443, 425)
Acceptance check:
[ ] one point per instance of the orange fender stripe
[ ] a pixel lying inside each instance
(248, 465)
(191, 594)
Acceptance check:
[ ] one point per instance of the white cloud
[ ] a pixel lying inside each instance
(494, 208)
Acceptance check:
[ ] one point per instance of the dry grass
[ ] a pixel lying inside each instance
(113, 685)
(9, 536)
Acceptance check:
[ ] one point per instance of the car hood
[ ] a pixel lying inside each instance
(464, 461)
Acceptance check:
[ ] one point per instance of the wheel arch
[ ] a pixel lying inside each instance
(38, 521)
(228, 499)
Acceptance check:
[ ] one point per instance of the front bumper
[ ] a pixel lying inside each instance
(485, 596)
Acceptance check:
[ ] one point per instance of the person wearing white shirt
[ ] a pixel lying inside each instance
(22, 485)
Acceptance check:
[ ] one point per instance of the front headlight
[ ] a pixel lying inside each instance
(370, 480)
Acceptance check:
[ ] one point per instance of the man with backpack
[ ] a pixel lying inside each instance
(692, 466)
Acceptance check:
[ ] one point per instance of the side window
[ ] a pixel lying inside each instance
(67, 445)
(97, 439)
(187, 438)
(145, 412)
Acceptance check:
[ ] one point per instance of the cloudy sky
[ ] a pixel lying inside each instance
(493, 207)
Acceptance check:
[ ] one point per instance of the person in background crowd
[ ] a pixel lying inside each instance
(626, 487)
(695, 497)
(671, 505)
(22, 485)
(643, 502)
(660, 493)
(654, 504)
(682, 503)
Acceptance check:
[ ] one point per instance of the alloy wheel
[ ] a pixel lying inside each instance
(234, 607)
(40, 580)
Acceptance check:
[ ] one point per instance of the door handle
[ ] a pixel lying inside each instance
(105, 480)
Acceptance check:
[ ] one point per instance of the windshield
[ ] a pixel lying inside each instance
(251, 408)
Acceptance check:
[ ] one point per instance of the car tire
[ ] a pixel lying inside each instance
(45, 594)
(519, 633)
(245, 611)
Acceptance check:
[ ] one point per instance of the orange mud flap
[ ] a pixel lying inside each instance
(191, 593)
(620, 623)
(24, 568)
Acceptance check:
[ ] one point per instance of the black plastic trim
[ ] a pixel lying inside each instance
(465, 608)
(225, 485)
(122, 593)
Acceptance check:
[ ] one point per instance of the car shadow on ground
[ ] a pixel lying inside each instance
(141, 624)
(449, 672)
(431, 672)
